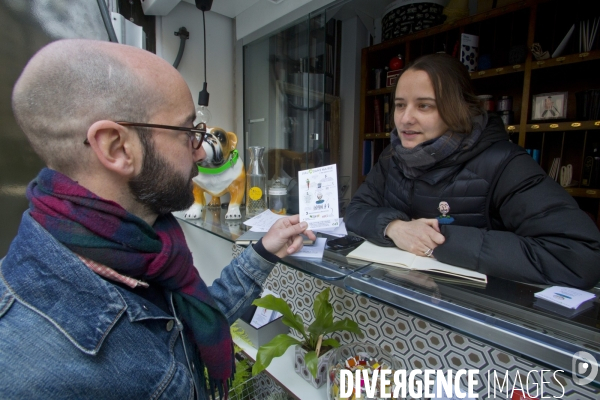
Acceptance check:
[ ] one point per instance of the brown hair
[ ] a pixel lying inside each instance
(454, 94)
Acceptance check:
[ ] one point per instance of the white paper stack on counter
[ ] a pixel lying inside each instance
(565, 301)
(339, 231)
(263, 221)
(260, 225)
(314, 252)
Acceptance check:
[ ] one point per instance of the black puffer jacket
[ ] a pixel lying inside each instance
(511, 220)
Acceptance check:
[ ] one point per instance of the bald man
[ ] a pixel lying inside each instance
(99, 297)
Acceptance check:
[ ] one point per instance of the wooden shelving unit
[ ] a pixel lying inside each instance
(521, 23)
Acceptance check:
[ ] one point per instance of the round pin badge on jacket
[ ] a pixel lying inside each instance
(445, 218)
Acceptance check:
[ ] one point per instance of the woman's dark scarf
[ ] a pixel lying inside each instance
(103, 231)
(418, 160)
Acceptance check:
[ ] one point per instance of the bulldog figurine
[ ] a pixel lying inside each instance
(220, 172)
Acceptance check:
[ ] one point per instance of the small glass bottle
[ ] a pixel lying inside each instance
(278, 198)
(256, 183)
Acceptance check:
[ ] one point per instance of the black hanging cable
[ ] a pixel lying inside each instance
(204, 28)
(203, 96)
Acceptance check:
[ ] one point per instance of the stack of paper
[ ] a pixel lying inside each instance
(263, 221)
(314, 251)
(564, 301)
(339, 231)
(565, 296)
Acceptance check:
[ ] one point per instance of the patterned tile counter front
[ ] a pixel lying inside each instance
(416, 342)
(421, 344)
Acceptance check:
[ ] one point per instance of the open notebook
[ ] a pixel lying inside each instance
(400, 258)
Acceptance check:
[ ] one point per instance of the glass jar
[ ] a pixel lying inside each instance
(278, 198)
(507, 117)
(256, 183)
(488, 102)
(355, 356)
(504, 103)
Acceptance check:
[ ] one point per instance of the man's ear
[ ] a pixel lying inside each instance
(114, 146)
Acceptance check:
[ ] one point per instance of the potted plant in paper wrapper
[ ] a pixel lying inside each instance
(312, 353)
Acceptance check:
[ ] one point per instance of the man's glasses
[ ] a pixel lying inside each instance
(196, 134)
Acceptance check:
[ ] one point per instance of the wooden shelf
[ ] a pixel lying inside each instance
(489, 73)
(584, 192)
(564, 60)
(496, 12)
(376, 92)
(381, 135)
(562, 126)
(512, 129)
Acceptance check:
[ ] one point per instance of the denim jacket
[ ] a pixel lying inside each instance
(67, 333)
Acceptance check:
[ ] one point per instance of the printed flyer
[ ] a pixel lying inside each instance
(318, 197)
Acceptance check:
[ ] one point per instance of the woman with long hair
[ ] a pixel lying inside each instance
(452, 186)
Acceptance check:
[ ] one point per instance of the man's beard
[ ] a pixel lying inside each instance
(159, 187)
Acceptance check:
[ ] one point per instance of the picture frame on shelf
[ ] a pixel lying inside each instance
(549, 106)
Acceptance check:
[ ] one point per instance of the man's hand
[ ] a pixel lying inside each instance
(416, 236)
(284, 236)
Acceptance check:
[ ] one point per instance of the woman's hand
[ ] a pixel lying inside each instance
(419, 236)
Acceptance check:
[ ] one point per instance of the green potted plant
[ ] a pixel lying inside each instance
(312, 352)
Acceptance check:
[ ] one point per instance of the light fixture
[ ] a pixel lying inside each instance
(203, 113)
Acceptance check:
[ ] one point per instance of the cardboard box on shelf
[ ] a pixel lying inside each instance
(392, 77)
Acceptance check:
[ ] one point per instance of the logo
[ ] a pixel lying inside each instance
(584, 367)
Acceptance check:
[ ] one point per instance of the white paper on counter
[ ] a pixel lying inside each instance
(565, 296)
(314, 251)
(263, 221)
(339, 231)
(318, 197)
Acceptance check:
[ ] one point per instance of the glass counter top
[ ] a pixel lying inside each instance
(501, 313)
(334, 265)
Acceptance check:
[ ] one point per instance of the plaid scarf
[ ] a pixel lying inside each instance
(105, 232)
(419, 159)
